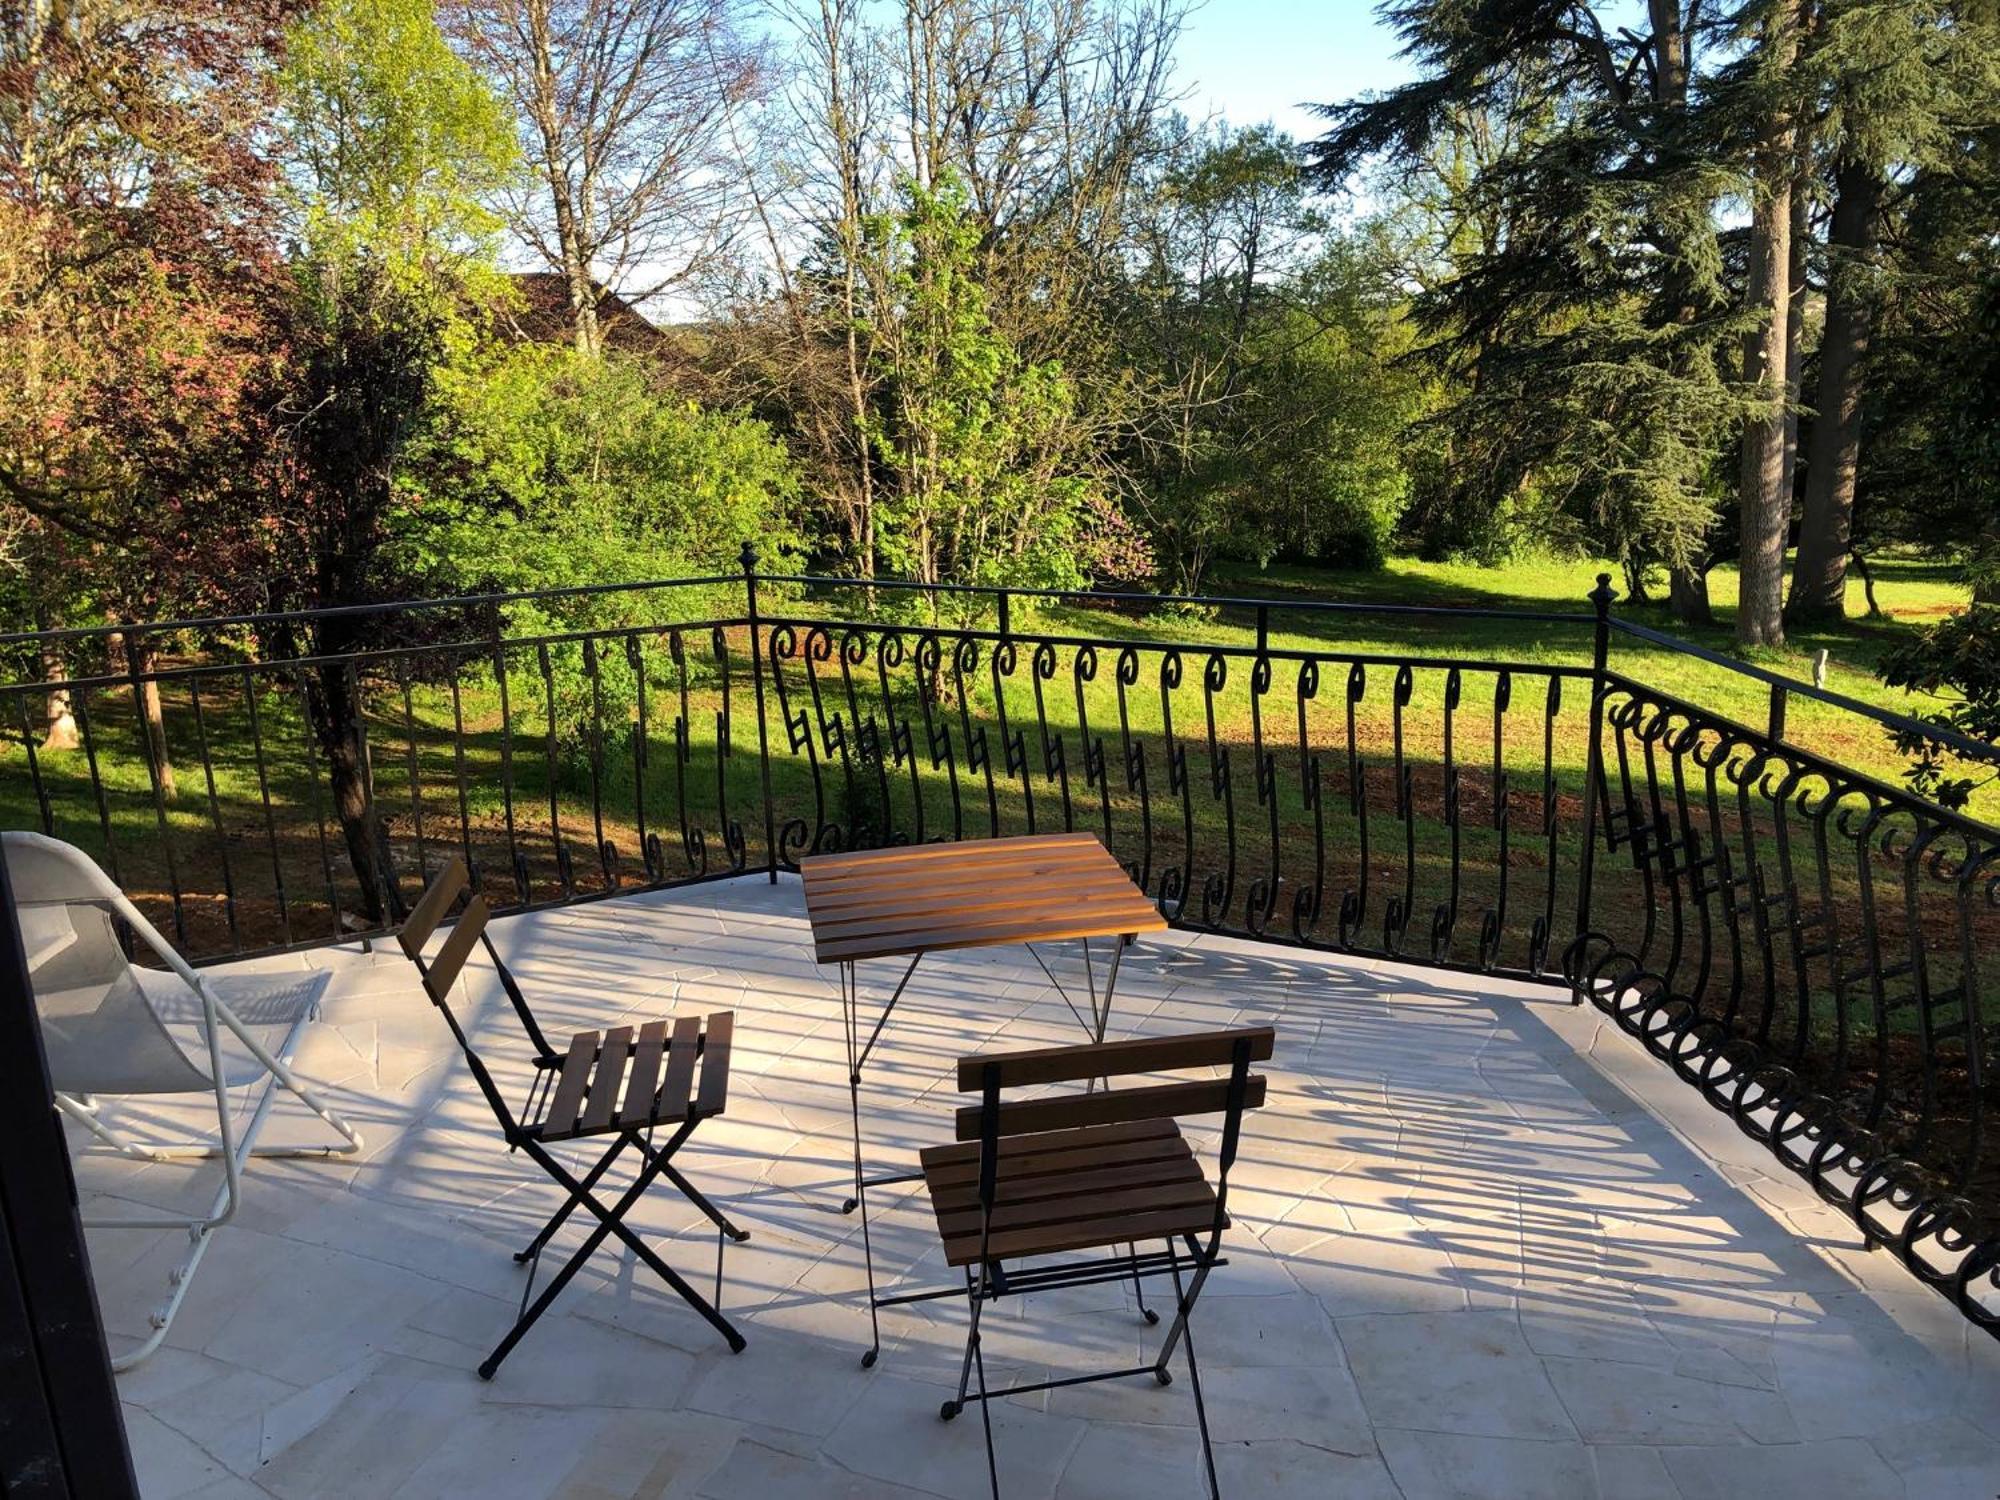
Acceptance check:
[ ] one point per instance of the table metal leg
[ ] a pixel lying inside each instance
(850, 1022)
(1111, 982)
(857, 1057)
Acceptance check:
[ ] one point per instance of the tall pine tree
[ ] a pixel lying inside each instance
(1903, 87)
(1595, 343)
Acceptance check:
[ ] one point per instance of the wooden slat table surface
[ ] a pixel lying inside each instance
(1042, 888)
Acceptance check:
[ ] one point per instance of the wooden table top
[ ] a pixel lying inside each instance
(1044, 888)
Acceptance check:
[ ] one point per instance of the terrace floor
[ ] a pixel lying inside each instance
(1485, 1247)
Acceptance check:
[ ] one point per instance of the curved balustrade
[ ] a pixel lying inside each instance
(1812, 949)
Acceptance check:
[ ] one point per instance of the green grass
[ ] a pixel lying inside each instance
(310, 862)
(1912, 592)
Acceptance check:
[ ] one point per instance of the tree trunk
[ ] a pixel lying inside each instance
(62, 731)
(1795, 336)
(1687, 594)
(1860, 564)
(1819, 574)
(1635, 580)
(335, 705)
(135, 655)
(1765, 507)
(582, 296)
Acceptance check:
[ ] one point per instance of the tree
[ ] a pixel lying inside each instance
(136, 270)
(620, 106)
(984, 486)
(1223, 221)
(1773, 29)
(811, 367)
(1931, 432)
(1273, 419)
(391, 140)
(1582, 336)
(1958, 659)
(1901, 84)
(544, 469)
(1040, 113)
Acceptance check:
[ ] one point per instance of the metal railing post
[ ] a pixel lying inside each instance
(1600, 599)
(748, 557)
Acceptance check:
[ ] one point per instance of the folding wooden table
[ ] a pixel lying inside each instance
(924, 898)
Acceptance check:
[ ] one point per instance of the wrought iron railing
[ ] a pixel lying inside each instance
(1815, 949)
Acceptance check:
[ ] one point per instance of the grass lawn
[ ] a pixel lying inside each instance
(1246, 808)
(269, 814)
(1911, 592)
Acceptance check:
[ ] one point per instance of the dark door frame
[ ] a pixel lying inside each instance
(60, 1429)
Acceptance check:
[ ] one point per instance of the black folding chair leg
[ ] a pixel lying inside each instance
(614, 1220)
(681, 1286)
(1194, 1377)
(561, 1215)
(952, 1408)
(700, 1200)
(1139, 1285)
(1178, 1329)
(607, 1225)
(986, 1420)
(975, 1364)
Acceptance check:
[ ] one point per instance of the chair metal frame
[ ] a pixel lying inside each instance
(232, 1149)
(440, 973)
(987, 1123)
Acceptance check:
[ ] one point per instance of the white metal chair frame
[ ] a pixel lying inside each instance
(232, 1151)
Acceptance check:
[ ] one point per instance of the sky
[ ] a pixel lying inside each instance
(1255, 61)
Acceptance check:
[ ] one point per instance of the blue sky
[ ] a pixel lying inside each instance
(1259, 60)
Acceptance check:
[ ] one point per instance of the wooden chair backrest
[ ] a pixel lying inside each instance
(441, 973)
(993, 1072)
(431, 907)
(452, 882)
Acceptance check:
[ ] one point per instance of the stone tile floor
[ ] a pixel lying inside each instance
(1485, 1248)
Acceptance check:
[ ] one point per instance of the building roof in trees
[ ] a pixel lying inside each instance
(544, 316)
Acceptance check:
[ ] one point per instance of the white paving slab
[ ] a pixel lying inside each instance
(1484, 1248)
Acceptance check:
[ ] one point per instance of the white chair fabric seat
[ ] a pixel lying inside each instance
(268, 1005)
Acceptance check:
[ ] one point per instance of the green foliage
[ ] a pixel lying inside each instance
(1573, 295)
(547, 469)
(392, 138)
(1956, 467)
(984, 484)
(1930, 460)
(1309, 462)
(1325, 438)
(391, 142)
(1273, 343)
(1958, 662)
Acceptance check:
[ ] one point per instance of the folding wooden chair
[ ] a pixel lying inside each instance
(624, 1083)
(1093, 1171)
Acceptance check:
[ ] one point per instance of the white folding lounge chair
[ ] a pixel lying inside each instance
(111, 1028)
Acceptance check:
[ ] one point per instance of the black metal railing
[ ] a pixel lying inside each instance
(1815, 949)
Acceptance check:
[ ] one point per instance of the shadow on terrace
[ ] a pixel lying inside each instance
(1482, 1245)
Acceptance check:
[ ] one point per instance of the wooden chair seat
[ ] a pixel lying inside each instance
(635, 1078)
(1062, 1190)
